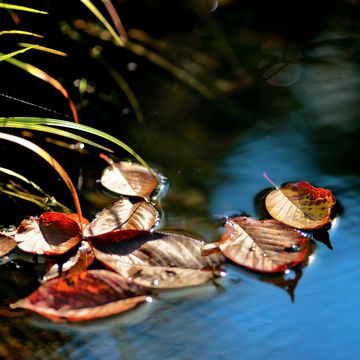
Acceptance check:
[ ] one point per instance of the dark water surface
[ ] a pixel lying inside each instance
(287, 102)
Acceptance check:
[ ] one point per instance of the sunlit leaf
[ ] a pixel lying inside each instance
(126, 214)
(20, 32)
(15, 121)
(301, 205)
(45, 49)
(20, 8)
(83, 296)
(79, 262)
(103, 20)
(7, 243)
(9, 56)
(263, 245)
(128, 178)
(52, 234)
(156, 259)
(58, 132)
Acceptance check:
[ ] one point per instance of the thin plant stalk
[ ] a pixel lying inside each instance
(47, 157)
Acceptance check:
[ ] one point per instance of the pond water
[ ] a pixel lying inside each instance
(287, 102)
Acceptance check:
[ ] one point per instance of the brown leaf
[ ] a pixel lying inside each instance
(301, 205)
(263, 245)
(7, 243)
(157, 260)
(126, 214)
(83, 296)
(83, 258)
(131, 179)
(52, 234)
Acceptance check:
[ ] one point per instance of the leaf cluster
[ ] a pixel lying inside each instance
(116, 261)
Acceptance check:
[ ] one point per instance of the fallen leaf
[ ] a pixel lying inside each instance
(128, 178)
(83, 258)
(126, 214)
(51, 234)
(263, 245)
(83, 296)
(301, 205)
(157, 259)
(7, 243)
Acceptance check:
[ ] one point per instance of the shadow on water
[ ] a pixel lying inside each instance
(283, 82)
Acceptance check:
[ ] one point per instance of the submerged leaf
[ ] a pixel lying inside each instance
(301, 205)
(52, 234)
(156, 259)
(83, 296)
(125, 214)
(7, 243)
(128, 178)
(263, 245)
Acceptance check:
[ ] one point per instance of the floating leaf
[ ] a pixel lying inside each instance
(83, 296)
(156, 259)
(7, 243)
(52, 234)
(301, 205)
(128, 178)
(263, 245)
(126, 214)
(83, 258)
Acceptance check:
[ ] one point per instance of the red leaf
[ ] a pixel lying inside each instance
(52, 234)
(301, 205)
(83, 296)
(263, 245)
(83, 258)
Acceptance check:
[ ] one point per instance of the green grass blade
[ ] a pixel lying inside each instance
(102, 19)
(14, 53)
(45, 49)
(19, 32)
(59, 132)
(21, 177)
(47, 202)
(21, 8)
(7, 121)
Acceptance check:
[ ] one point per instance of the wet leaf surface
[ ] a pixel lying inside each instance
(51, 234)
(158, 260)
(126, 214)
(301, 205)
(263, 245)
(127, 178)
(7, 244)
(83, 296)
